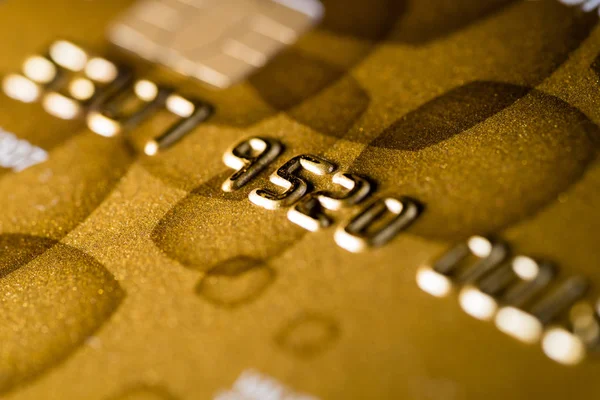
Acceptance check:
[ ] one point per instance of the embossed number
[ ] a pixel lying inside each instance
(287, 177)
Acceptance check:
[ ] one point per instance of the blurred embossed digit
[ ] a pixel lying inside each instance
(141, 101)
(126, 108)
(67, 80)
(513, 283)
(465, 262)
(520, 294)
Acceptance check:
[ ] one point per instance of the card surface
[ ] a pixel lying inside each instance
(299, 199)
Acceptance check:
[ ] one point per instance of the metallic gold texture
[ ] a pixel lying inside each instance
(484, 111)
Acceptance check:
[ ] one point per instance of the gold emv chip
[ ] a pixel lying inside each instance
(219, 42)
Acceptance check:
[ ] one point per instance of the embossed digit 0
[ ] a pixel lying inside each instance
(355, 236)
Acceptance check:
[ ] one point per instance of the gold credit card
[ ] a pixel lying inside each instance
(299, 199)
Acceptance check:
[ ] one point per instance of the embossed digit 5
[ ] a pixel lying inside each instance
(287, 177)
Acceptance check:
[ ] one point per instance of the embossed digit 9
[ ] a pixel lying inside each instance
(249, 158)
